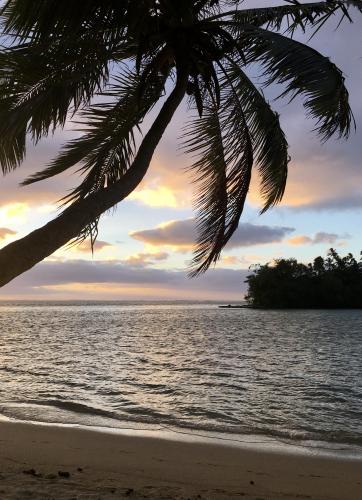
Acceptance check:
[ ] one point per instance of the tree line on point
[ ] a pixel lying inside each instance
(333, 282)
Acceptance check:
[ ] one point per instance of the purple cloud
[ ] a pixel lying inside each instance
(216, 283)
(182, 233)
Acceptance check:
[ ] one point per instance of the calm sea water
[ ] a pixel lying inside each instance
(293, 375)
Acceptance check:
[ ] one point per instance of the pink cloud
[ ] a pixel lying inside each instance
(4, 232)
(318, 238)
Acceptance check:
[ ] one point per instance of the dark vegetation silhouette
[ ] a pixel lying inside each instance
(144, 55)
(333, 282)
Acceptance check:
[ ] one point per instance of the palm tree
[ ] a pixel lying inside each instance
(58, 56)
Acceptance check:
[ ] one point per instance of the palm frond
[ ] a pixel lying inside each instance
(12, 137)
(269, 141)
(203, 137)
(304, 72)
(46, 19)
(292, 16)
(59, 55)
(39, 88)
(220, 138)
(106, 149)
(354, 3)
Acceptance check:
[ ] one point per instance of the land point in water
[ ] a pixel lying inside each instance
(290, 376)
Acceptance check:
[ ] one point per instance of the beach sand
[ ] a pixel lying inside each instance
(44, 462)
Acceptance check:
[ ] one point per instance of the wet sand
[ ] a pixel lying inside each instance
(50, 462)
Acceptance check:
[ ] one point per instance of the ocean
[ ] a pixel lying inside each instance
(291, 376)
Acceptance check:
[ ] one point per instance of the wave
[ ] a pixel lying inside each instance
(292, 376)
(307, 438)
(72, 406)
(19, 371)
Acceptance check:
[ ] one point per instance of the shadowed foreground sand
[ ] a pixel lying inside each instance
(43, 462)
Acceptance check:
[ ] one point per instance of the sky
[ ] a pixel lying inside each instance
(144, 247)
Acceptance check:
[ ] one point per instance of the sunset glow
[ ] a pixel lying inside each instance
(153, 231)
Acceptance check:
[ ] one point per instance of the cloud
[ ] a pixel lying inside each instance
(14, 213)
(118, 280)
(321, 178)
(159, 196)
(252, 234)
(321, 175)
(85, 246)
(319, 238)
(4, 232)
(181, 235)
(300, 240)
(144, 259)
(230, 260)
(324, 176)
(329, 238)
(318, 173)
(40, 193)
(351, 201)
(244, 260)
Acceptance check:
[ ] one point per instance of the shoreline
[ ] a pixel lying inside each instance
(121, 464)
(256, 442)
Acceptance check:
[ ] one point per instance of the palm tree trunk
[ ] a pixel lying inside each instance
(23, 254)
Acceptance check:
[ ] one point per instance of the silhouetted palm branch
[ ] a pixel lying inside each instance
(221, 139)
(303, 71)
(290, 17)
(107, 148)
(59, 56)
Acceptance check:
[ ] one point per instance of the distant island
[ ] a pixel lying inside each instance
(330, 283)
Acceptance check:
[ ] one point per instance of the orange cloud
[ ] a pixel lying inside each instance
(245, 260)
(5, 232)
(167, 183)
(118, 280)
(318, 238)
(300, 240)
(230, 260)
(320, 181)
(14, 213)
(85, 246)
(113, 291)
(158, 196)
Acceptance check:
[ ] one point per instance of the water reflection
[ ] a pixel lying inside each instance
(293, 374)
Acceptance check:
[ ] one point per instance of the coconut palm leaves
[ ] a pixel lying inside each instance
(221, 139)
(107, 63)
(268, 139)
(106, 149)
(302, 71)
(41, 85)
(291, 17)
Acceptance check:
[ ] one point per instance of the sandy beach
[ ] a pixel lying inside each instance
(45, 462)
